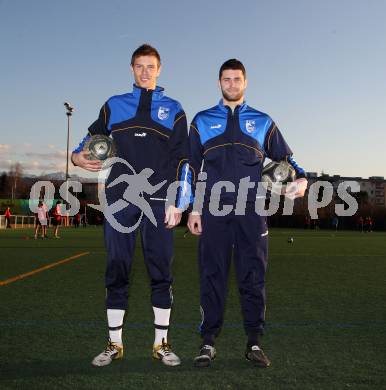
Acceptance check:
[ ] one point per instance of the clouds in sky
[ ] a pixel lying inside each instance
(48, 158)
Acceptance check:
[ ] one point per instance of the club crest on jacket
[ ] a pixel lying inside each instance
(163, 113)
(250, 125)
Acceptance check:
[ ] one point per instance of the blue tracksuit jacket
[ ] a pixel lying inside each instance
(229, 146)
(150, 131)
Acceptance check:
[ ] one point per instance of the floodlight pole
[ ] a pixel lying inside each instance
(69, 110)
(69, 114)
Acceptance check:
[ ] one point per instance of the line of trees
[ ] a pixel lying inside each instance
(13, 185)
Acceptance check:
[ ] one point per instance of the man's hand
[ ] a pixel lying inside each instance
(296, 189)
(194, 223)
(80, 160)
(172, 217)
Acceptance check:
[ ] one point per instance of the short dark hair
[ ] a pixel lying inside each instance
(145, 50)
(233, 64)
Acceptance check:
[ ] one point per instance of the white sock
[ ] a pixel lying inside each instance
(161, 323)
(115, 320)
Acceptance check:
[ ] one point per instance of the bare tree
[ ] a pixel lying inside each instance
(15, 174)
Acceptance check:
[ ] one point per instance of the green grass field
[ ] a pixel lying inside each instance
(326, 317)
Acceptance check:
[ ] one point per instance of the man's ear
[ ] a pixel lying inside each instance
(159, 70)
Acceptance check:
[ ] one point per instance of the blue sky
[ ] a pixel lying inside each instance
(318, 68)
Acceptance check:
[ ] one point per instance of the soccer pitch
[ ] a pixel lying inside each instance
(326, 316)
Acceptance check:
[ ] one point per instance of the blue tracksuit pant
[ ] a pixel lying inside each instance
(245, 236)
(157, 245)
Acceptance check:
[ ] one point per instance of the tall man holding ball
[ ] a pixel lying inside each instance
(229, 142)
(150, 133)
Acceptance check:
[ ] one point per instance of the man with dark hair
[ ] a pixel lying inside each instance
(232, 64)
(145, 50)
(150, 134)
(229, 143)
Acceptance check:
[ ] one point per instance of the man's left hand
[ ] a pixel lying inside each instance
(172, 217)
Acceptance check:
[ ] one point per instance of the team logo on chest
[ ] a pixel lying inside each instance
(250, 125)
(163, 113)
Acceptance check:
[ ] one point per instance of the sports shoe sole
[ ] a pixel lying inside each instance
(257, 363)
(203, 362)
(166, 362)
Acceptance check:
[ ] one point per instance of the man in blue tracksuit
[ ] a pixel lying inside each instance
(229, 143)
(150, 134)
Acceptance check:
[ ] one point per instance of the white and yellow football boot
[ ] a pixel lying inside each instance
(112, 352)
(164, 353)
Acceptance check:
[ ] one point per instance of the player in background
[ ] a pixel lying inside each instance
(57, 218)
(7, 216)
(41, 219)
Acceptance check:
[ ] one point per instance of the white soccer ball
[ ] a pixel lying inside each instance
(100, 147)
(277, 172)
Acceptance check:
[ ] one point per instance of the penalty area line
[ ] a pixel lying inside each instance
(41, 269)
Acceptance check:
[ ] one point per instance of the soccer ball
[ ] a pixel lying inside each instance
(100, 147)
(290, 240)
(277, 172)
